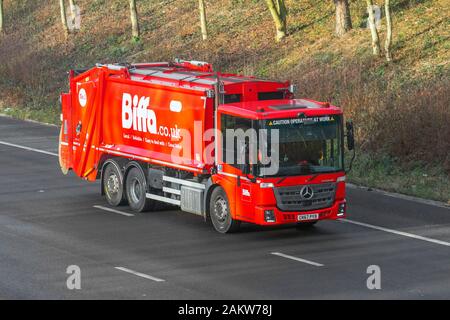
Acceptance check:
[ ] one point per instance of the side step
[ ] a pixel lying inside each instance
(163, 199)
(184, 182)
(190, 195)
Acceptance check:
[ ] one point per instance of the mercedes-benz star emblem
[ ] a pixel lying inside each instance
(307, 192)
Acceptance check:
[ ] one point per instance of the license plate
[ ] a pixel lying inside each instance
(309, 216)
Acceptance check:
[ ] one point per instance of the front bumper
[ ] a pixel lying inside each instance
(336, 211)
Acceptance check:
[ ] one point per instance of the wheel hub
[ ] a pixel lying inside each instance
(113, 184)
(135, 190)
(221, 209)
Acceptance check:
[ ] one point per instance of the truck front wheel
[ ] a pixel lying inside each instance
(112, 180)
(220, 212)
(136, 190)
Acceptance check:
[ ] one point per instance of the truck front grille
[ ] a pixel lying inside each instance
(291, 199)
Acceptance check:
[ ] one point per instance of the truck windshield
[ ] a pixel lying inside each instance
(306, 145)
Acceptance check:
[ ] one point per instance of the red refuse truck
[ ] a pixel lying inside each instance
(226, 147)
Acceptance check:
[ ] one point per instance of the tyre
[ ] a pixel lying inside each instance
(136, 190)
(220, 214)
(112, 180)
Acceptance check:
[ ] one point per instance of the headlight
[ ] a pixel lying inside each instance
(265, 185)
(341, 209)
(269, 216)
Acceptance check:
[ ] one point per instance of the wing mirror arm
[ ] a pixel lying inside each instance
(350, 135)
(246, 172)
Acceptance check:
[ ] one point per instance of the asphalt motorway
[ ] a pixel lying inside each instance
(49, 222)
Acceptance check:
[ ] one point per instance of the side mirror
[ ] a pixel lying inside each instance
(350, 135)
(292, 88)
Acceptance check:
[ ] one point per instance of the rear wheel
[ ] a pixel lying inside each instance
(220, 212)
(136, 190)
(112, 181)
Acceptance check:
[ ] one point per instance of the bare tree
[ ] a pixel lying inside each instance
(203, 23)
(343, 17)
(373, 29)
(388, 42)
(63, 17)
(134, 19)
(279, 13)
(1, 16)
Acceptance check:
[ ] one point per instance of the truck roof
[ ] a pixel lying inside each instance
(244, 96)
(185, 75)
(202, 77)
(283, 108)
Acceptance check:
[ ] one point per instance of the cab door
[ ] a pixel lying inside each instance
(244, 198)
(237, 134)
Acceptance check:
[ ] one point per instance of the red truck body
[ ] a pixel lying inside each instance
(164, 118)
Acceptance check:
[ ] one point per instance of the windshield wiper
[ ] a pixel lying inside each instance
(307, 166)
(281, 180)
(313, 177)
(302, 166)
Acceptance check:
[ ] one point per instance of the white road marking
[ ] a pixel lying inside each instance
(28, 148)
(113, 210)
(142, 275)
(400, 233)
(297, 259)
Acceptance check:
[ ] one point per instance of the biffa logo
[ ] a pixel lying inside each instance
(136, 115)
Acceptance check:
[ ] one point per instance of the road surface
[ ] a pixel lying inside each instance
(49, 222)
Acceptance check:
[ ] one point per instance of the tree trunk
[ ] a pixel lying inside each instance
(281, 7)
(1, 16)
(343, 17)
(203, 23)
(73, 12)
(134, 19)
(388, 42)
(63, 17)
(278, 10)
(373, 29)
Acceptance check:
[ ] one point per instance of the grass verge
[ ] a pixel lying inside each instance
(40, 115)
(413, 178)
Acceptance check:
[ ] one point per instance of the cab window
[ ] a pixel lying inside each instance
(230, 150)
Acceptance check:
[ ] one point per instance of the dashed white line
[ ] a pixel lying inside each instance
(139, 274)
(400, 233)
(316, 264)
(28, 148)
(114, 211)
